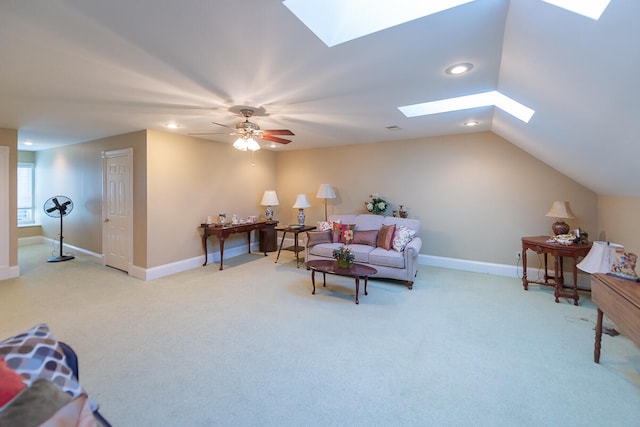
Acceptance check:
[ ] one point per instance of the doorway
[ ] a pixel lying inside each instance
(117, 209)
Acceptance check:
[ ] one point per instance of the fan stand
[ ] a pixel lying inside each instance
(60, 257)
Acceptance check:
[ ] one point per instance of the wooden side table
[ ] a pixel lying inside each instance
(542, 245)
(296, 246)
(268, 237)
(619, 299)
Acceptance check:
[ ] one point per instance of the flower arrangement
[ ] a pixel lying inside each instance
(376, 205)
(344, 256)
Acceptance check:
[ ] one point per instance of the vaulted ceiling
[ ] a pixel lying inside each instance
(76, 70)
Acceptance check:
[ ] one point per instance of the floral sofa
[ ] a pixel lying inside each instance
(391, 245)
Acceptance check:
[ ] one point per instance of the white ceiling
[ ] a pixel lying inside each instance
(76, 70)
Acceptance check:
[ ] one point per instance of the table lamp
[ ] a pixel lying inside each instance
(560, 210)
(300, 204)
(325, 192)
(610, 258)
(269, 198)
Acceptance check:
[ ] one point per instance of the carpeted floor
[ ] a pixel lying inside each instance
(250, 346)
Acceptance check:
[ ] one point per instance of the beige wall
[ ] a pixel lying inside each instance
(75, 171)
(9, 138)
(618, 222)
(190, 178)
(476, 194)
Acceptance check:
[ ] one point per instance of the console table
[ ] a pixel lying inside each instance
(619, 299)
(558, 251)
(224, 231)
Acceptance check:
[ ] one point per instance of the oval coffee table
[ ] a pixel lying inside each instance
(357, 271)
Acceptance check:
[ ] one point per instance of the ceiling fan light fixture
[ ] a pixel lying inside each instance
(240, 144)
(252, 144)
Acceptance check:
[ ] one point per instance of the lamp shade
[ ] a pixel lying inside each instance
(301, 202)
(270, 198)
(601, 257)
(326, 192)
(560, 210)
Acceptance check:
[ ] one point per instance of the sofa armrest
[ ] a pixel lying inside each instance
(413, 247)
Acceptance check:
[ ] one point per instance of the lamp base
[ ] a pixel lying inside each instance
(269, 213)
(301, 217)
(560, 227)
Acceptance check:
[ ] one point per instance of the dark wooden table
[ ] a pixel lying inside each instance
(619, 299)
(357, 271)
(541, 245)
(268, 237)
(224, 231)
(296, 246)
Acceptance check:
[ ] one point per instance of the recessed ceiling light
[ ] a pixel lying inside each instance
(172, 125)
(459, 68)
(338, 21)
(471, 123)
(393, 127)
(484, 99)
(28, 142)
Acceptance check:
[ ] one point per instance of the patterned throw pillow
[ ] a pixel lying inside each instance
(401, 237)
(37, 354)
(10, 383)
(345, 228)
(385, 236)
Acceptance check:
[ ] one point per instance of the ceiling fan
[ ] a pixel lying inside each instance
(246, 130)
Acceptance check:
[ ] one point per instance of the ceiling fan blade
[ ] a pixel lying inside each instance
(275, 139)
(278, 132)
(55, 208)
(224, 126)
(209, 133)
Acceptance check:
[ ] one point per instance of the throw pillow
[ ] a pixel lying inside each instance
(365, 237)
(348, 229)
(401, 237)
(326, 225)
(37, 354)
(385, 236)
(10, 383)
(315, 237)
(34, 405)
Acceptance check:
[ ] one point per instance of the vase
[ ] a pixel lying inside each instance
(344, 263)
(403, 212)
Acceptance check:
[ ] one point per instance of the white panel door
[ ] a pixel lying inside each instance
(117, 208)
(4, 213)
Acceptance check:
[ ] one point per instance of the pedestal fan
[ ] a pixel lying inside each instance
(59, 207)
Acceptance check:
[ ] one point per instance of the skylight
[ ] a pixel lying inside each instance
(485, 99)
(590, 8)
(338, 21)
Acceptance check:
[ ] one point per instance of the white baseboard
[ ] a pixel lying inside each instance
(584, 280)
(9, 272)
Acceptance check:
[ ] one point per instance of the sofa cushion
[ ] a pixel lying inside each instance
(34, 405)
(361, 252)
(386, 258)
(324, 249)
(385, 236)
(37, 354)
(315, 237)
(326, 225)
(365, 237)
(401, 237)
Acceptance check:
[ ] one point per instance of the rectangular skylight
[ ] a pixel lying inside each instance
(338, 21)
(485, 99)
(590, 8)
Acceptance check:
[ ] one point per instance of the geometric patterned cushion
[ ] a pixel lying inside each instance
(36, 354)
(401, 237)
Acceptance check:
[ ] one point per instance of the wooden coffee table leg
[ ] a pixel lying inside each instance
(357, 289)
(366, 279)
(598, 341)
(324, 279)
(313, 281)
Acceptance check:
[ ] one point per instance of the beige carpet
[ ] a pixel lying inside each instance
(250, 346)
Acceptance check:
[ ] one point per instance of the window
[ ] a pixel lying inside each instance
(25, 193)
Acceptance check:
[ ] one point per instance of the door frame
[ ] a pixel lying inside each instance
(128, 152)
